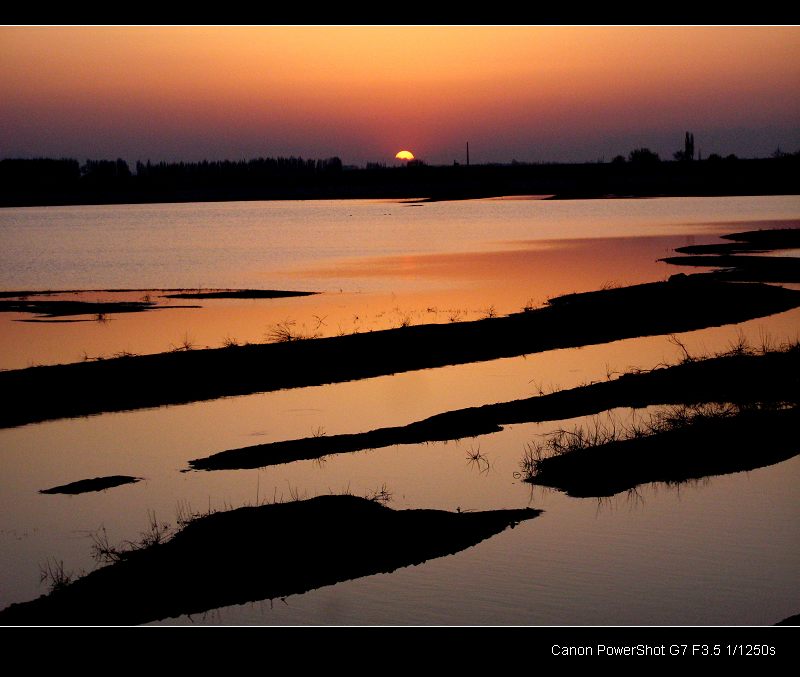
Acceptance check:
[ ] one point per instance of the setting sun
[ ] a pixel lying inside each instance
(405, 155)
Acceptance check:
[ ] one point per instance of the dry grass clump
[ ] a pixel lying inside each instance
(600, 432)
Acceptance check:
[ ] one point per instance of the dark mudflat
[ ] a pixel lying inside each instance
(744, 268)
(737, 259)
(95, 484)
(260, 553)
(750, 241)
(20, 301)
(51, 308)
(737, 378)
(770, 238)
(682, 304)
(238, 294)
(751, 439)
(792, 620)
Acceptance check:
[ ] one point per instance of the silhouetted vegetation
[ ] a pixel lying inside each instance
(643, 156)
(255, 553)
(45, 181)
(677, 445)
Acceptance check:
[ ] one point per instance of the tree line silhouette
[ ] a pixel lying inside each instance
(46, 181)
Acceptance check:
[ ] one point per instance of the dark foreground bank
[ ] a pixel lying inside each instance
(259, 553)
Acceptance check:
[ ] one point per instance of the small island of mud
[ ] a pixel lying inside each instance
(48, 307)
(742, 260)
(257, 553)
(94, 484)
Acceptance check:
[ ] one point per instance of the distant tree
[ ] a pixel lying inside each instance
(643, 156)
(40, 172)
(122, 168)
(731, 157)
(618, 160)
(687, 154)
(103, 170)
(714, 158)
(332, 164)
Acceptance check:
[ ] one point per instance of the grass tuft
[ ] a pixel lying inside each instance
(52, 573)
(477, 459)
(185, 345)
(381, 495)
(156, 534)
(599, 433)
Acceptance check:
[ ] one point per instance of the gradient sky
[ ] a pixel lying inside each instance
(363, 93)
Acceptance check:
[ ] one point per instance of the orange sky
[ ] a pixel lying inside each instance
(363, 93)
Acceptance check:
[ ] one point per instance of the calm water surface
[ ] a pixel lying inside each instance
(721, 551)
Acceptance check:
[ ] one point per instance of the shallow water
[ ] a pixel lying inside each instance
(723, 551)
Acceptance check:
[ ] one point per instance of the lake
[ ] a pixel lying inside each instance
(719, 551)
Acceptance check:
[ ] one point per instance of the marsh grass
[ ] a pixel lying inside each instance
(52, 572)
(380, 495)
(285, 332)
(599, 432)
(740, 345)
(477, 459)
(185, 345)
(157, 533)
(456, 315)
(405, 321)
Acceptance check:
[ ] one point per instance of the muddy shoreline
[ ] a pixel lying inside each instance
(739, 378)
(684, 303)
(753, 438)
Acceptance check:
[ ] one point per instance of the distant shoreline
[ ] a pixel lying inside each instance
(36, 183)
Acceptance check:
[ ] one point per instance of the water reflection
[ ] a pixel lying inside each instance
(399, 291)
(726, 554)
